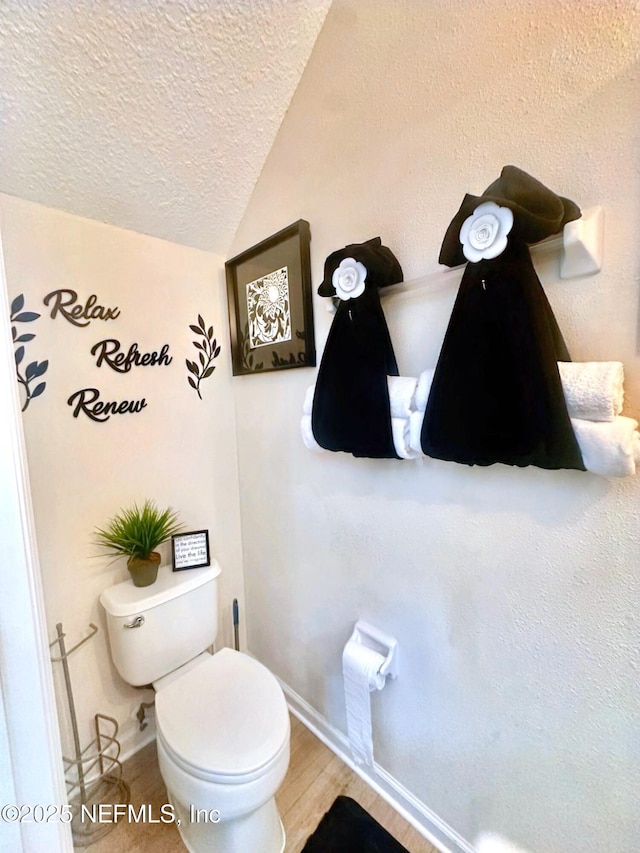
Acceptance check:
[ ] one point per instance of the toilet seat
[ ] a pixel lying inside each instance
(225, 720)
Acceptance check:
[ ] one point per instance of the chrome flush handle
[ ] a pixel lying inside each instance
(137, 622)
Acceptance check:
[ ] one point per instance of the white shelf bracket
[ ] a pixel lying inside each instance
(583, 244)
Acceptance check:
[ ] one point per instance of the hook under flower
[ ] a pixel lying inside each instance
(349, 279)
(484, 234)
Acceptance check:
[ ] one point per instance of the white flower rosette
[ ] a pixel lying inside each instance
(348, 279)
(484, 234)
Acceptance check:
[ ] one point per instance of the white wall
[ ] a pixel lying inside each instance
(513, 593)
(179, 450)
(30, 765)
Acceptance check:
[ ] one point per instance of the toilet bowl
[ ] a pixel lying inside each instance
(223, 751)
(222, 721)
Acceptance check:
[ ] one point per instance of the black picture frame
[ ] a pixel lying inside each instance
(190, 550)
(270, 304)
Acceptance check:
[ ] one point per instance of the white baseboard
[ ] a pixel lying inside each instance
(133, 741)
(426, 822)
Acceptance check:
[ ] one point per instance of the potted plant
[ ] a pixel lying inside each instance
(135, 533)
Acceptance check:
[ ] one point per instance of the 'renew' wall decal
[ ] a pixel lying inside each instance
(208, 350)
(88, 401)
(65, 302)
(34, 370)
(109, 352)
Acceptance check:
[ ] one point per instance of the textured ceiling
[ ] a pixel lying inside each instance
(154, 115)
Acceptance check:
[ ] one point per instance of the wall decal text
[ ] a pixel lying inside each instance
(66, 303)
(208, 349)
(109, 352)
(34, 369)
(87, 400)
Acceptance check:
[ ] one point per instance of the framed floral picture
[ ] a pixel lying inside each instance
(270, 307)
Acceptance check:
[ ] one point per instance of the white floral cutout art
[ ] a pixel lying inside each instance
(348, 279)
(484, 234)
(268, 309)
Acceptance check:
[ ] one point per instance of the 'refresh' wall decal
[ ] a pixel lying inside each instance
(110, 352)
(34, 370)
(208, 350)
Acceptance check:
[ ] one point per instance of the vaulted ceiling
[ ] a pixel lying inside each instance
(153, 115)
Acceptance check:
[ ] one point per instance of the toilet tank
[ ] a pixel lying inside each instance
(155, 629)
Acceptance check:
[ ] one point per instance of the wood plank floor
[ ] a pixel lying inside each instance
(315, 778)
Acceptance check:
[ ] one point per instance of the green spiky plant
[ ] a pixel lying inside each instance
(136, 532)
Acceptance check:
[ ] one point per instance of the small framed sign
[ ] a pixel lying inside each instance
(190, 550)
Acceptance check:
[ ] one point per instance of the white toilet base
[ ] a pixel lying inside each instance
(259, 830)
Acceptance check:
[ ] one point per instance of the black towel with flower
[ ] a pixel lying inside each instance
(351, 410)
(496, 394)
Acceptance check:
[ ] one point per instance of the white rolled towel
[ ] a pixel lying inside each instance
(400, 428)
(307, 434)
(415, 430)
(307, 406)
(401, 396)
(402, 391)
(594, 390)
(609, 448)
(423, 388)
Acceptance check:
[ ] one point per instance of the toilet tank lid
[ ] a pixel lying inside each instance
(125, 599)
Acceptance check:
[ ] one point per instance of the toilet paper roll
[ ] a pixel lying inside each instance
(360, 671)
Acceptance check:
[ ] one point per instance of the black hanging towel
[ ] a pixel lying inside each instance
(496, 394)
(351, 410)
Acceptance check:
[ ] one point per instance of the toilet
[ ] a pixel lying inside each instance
(222, 720)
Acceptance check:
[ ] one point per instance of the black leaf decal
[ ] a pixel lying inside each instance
(17, 304)
(34, 369)
(208, 350)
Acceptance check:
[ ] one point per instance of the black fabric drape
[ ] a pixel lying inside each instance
(496, 394)
(351, 410)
